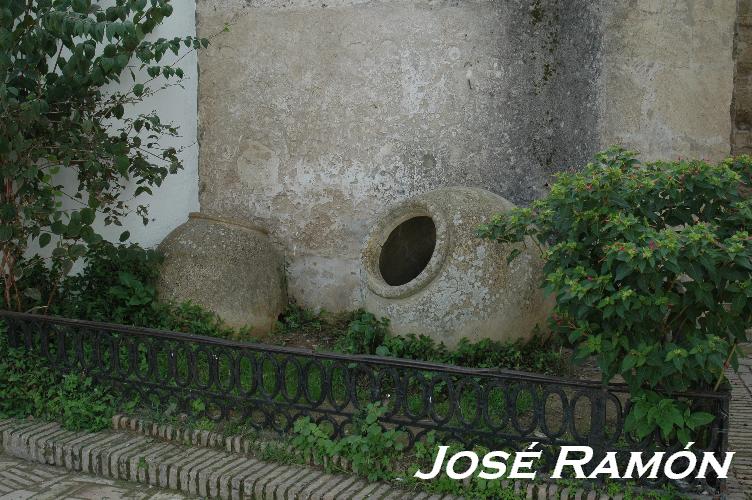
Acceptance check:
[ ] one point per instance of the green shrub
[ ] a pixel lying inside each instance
(296, 318)
(36, 283)
(25, 382)
(371, 450)
(118, 284)
(411, 346)
(79, 404)
(651, 267)
(312, 440)
(365, 333)
(188, 317)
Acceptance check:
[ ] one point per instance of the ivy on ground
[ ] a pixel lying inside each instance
(367, 334)
(29, 388)
(371, 450)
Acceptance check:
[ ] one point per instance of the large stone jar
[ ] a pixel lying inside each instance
(226, 266)
(426, 270)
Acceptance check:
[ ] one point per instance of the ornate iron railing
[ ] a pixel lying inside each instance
(269, 387)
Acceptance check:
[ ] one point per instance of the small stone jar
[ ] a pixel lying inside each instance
(227, 266)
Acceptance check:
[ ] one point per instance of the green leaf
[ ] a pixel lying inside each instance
(644, 428)
(87, 216)
(76, 251)
(683, 435)
(513, 255)
(125, 235)
(622, 271)
(142, 189)
(699, 419)
(121, 162)
(44, 239)
(628, 363)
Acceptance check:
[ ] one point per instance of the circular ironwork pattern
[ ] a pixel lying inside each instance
(270, 387)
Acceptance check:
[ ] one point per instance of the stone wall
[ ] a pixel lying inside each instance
(315, 116)
(742, 110)
(667, 77)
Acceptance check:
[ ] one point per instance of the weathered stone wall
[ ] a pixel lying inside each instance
(667, 77)
(315, 116)
(742, 110)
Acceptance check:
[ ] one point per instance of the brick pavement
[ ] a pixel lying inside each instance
(740, 435)
(199, 471)
(21, 480)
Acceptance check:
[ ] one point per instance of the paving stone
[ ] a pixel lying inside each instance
(152, 466)
(261, 486)
(207, 478)
(188, 474)
(237, 482)
(369, 489)
(306, 478)
(275, 487)
(384, 490)
(23, 479)
(174, 470)
(316, 485)
(331, 492)
(119, 462)
(354, 488)
(248, 486)
(139, 464)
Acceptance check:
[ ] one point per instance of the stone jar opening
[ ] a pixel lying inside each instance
(407, 250)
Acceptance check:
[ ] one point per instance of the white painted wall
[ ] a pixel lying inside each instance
(170, 203)
(178, 195)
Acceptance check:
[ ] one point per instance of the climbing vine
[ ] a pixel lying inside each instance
(69, 148)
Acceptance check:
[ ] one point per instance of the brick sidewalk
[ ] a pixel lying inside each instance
(740, 436)
(21, 480)
(205, 472)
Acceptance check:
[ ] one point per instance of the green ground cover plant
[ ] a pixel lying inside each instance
(651, 268)
(366, 334)
(29, 388)
(117, 284)
(369, 448)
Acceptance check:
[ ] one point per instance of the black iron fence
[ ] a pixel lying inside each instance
(269, 387)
